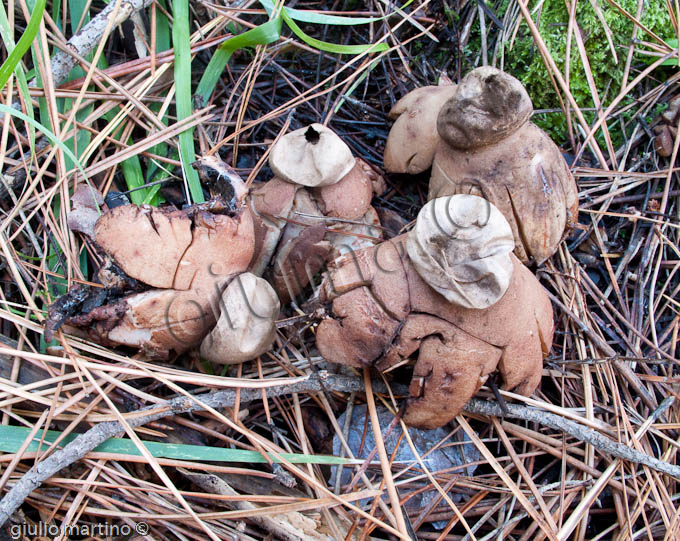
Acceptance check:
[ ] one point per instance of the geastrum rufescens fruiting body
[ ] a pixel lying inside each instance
(164, 272)
(317, 207)
(480, 141)
(448, 297)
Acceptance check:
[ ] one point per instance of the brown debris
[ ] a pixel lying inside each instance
(87, 205)
(663, 142)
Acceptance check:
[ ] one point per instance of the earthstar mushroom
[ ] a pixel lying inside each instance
(247, 324)
(383, 312)
(413, 138)
(183, 258)
(487, 147)
(317, 207)
(311, 156)
(461, 247)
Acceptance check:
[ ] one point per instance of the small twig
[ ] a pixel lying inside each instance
(97, 435)
(597, 440)
(88, 38)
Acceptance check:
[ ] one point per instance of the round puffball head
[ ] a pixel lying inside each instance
(311, 156)
(461, 246)
(247, 325)
(488, 106)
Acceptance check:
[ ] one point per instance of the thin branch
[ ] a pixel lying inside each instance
(97, 435)
(88, 38)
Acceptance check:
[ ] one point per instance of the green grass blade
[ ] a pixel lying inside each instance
(672, 61)
(12, 437)
(47, 133)
(155, 173)
(9, 65)
(132, 169)
(181, 45)
(134, 178)
(153, 197)
(77, 12)
(43, 110)
(305, 16)
(331, 47)
(78, 143)
(22, 82)
(266, 33)
(271, 31)
(56, 12)
(163, 41)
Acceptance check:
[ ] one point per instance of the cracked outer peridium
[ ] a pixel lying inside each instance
(525, 177)
(187, 260)
(383, 313)
(165, 248)
(292, 236)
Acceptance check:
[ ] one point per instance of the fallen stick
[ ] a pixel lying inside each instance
(97, 435)
(100, 433)
(587, 435)
(84, 42)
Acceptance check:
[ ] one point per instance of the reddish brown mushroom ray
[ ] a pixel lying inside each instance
(383, 311)
(187, 256)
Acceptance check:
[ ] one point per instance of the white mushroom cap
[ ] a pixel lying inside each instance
(461, 247)
(247, 325)
(311, 156)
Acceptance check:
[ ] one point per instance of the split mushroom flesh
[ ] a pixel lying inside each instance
(181, 259)
(387, 310)
(316, 208)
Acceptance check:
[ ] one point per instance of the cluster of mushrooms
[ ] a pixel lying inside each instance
(452, 297)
